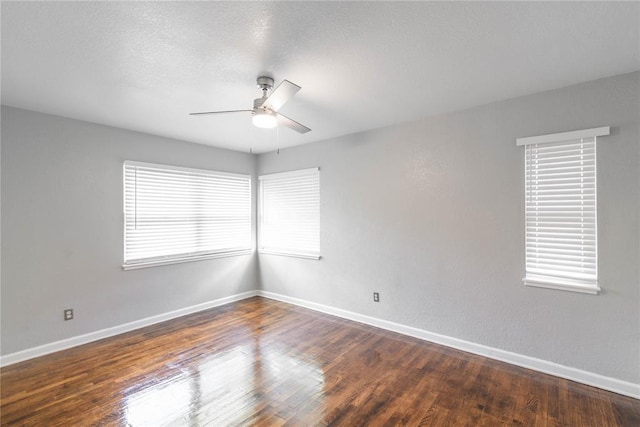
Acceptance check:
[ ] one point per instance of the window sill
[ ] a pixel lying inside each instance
(289, 254)
(579, 288)
(160, 262)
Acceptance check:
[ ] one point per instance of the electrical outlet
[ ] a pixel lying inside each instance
(68, 314)
(376, 297)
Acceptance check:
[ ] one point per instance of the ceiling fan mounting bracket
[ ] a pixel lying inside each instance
(265, 83)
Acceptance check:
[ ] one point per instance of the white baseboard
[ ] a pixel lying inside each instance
(30, 353)
(578, 375)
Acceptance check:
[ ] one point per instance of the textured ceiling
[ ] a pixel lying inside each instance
(145, 65)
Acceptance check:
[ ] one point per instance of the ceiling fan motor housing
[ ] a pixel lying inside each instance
(258, 103)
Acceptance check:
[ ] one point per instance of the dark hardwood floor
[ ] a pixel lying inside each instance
(262, 362)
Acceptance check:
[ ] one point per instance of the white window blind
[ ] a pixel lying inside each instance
(175, 214)
(561, 248)
(290, 213)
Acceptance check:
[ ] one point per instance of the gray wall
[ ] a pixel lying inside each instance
(62, 239)
(430, 214)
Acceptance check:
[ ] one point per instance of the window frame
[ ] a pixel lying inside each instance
(550, 281)
(144, 262)
(286, 251)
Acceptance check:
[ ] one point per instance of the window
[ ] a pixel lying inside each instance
(175, 214)
(561, 250)
(290, 213)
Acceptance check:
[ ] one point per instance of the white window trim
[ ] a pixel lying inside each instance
(547, 282)
(289, 254)
(290, 174)
(147, 264)
(552, 283)
(267, 251)
(178, 259)
(565, 136)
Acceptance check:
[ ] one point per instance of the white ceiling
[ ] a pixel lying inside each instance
(145, 65)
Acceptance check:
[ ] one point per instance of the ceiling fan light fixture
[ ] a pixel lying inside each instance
(265, 119)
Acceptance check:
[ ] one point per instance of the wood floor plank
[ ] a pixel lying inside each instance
(259, 362)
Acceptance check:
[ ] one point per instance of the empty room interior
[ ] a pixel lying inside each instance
(320, 213)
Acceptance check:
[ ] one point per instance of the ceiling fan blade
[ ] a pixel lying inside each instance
(291, 124)
(221, 112)
(280, 95)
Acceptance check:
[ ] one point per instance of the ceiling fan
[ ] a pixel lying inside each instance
(265, 110)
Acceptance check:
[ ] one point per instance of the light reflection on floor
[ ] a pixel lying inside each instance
(158, 406)
(230, 387)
